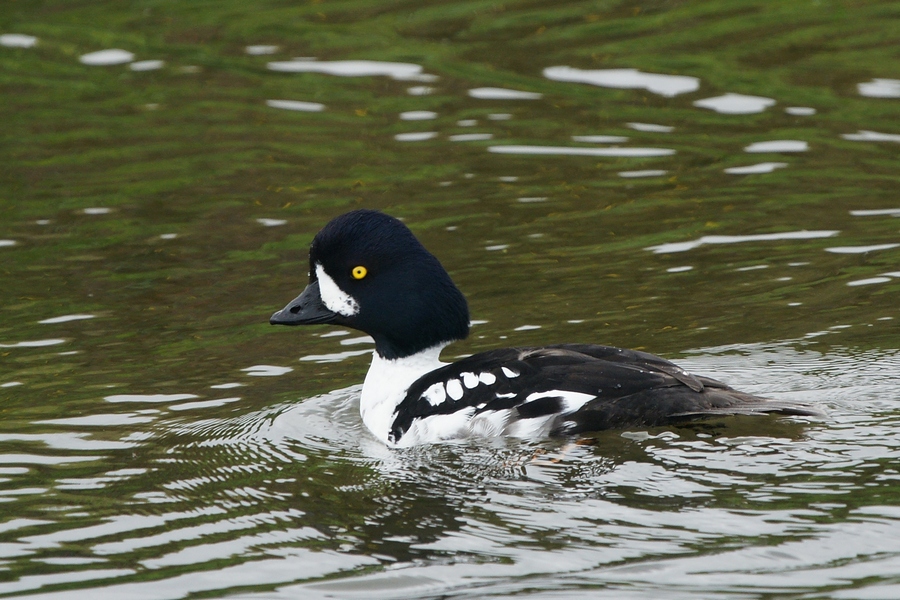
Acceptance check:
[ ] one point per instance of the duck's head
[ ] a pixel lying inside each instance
(369, 272)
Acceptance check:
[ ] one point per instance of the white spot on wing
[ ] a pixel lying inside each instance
(435, 394)
(454, 389)
(470, 380)
(509, 372)
(487, 378)
(333, 297)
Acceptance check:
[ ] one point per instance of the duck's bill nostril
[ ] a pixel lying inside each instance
(305, 309)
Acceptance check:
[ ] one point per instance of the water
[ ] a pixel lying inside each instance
(712, 182)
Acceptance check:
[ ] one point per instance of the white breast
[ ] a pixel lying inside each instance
(386, 384)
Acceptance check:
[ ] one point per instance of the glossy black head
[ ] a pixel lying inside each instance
(369, 272)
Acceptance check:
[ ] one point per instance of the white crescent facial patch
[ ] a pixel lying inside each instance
(334, 298)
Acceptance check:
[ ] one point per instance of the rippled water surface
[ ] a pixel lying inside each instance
(715, 182)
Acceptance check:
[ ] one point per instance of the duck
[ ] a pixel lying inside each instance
(369, 272)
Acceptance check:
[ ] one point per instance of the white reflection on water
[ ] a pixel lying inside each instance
(416, 136)
(33, 343)
(871, 136)
(470, 137)
(334, 333)
(600, 139)
(418, 115)
(152, 398)
(877, 212)
(334, 357)
(766, 167)
(39, 459)
(233, 547)
(147, 65)
(860, 249)
(18, 40)
(651, 127)
(65, 441)
(116, 525)
(7, 243)
(736, 104)
(353, 68)
(261, 49)
(297, 105)
(778, 146)
(100, 420)
(266, 371)
(644, 173)
(664, 85)
(578, 151)
(491, 93)
(102, 58)
(271, 222)
(33, 582)
(363, 339)
(226, 386)
(868, 281)
(738, 239)
(880, 88)
(291, 565)
(800, 111)
(93, 483)
(66, 319)
(203, 404)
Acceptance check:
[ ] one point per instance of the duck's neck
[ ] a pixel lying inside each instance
(386, 384)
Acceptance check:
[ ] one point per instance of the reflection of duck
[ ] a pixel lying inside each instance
(369, 272)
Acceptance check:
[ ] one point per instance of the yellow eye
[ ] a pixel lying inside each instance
(359, 272)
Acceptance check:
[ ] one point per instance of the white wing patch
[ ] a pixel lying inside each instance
(333, 297)
(435, 394)
(470, 380)
(572, 401)
(487, 378)
(509, 372)
(454, 389)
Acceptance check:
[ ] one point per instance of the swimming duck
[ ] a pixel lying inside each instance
(367, 271)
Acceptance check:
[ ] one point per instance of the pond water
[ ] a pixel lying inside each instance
(715, 182)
